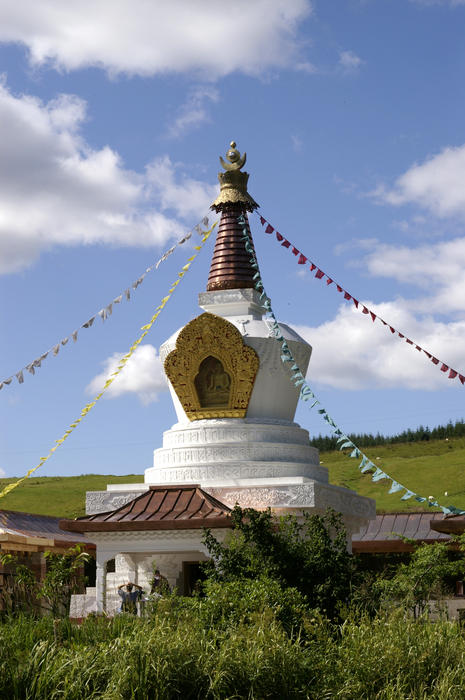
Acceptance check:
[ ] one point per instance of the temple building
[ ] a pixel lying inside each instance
(235, 440)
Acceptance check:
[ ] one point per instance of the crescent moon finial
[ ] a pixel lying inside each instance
(235, 160)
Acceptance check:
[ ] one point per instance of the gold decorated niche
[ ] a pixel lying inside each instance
(212, 370)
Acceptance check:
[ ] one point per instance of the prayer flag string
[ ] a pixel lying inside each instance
(122, 363)
(104, 313)
(321, 275)
(307, 395)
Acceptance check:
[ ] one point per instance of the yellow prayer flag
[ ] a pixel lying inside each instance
(120, 367)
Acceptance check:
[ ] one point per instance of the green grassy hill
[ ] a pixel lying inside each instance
(62, 496)
(428, 468)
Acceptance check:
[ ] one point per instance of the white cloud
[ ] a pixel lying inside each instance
(452, 3)
(194, 111)
(143, 375)
(2, 473)
(350, 352)
(438, 270)
(145, 38)
(56, 190)
(349, 61)
(435, 185)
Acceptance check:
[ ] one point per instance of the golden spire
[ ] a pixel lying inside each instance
(231, 266)
(233, 182)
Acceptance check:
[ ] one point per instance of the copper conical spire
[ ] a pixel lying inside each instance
(231, 266)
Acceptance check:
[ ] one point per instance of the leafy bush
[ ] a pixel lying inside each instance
(307, 554)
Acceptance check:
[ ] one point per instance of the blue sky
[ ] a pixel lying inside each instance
(112, 118)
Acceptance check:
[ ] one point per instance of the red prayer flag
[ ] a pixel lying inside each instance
(285, 243)
(417, 347)
(269, 229)
(302, 259)
(365, 310)
(329, 280)
(347, 296)
(339, 289)
(355, 302)
(452, 374)
(393, 330)
(312, 267)
(262, 221)
(279, 237)
(409, 341)
(435, 360)
(444, 368)
(319, 274)
(295, 251)
(462, 378)
(373, 316)
(401, 336)
(428, 354)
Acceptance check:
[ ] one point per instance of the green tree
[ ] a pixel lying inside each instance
(65, 576)
(19, 591)
(423, 579)
(308, 554)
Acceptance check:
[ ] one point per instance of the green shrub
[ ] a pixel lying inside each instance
(308, 554)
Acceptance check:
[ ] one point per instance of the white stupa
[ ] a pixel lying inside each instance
(235, 440)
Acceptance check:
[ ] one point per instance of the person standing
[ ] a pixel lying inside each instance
(160, 585)
(129, 597)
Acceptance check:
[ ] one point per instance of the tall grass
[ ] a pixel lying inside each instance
(176, 653)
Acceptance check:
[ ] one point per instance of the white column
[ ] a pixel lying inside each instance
(101, 581)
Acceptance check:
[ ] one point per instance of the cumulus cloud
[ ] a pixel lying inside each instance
(349, 61)
(452, 3)
(437, 269)
(194, 111)
(56, 190)
(148, 38)
(143, 375)
(435, 185)
(351, 353)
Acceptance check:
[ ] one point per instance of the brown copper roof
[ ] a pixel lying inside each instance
(382, 533)
(452, 524)
(230, 266)
(159, 508)
(14, 522)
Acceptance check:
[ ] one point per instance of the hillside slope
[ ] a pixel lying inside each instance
(428, 468)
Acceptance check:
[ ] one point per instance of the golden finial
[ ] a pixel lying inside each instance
(233, 182)
(236, 161)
